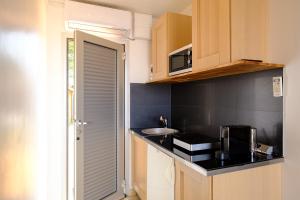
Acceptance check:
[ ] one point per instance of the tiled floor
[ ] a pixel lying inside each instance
(132, 195)
(131, 198)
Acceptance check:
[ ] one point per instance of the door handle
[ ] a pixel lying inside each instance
(83, 123)
(80, 123)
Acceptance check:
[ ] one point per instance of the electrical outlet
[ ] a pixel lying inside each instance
(277, 86)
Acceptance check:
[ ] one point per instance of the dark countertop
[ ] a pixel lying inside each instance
(205, 161)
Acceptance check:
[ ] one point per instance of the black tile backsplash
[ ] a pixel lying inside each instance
(147, 103)
(247, 99)
(202, 106)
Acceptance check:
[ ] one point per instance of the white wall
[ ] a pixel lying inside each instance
(56, 104)
(139, 49)
(23, 142)
(139, 59)
(284, 46)
(187, 10)
(138, 72)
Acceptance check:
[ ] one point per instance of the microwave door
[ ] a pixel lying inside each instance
(179, 63)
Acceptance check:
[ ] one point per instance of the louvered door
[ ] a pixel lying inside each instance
(99, 118)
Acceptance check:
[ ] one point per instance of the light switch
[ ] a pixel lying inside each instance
(277, 86)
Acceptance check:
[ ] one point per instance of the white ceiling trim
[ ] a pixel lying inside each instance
(151, 7)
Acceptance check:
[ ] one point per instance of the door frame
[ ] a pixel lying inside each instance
(80, 38)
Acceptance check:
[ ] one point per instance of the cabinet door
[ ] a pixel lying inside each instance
(211, 33)
(191, 185)
(139, 163)
(179, 31)
(249, 29)
(159, 49)
(261, 183)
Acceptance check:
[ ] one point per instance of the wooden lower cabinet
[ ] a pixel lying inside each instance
(191, 185)
(139, 166)
(261, 183)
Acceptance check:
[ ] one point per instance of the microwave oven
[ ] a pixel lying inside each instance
(180, 60)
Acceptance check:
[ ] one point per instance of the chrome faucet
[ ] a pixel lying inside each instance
(163, 121)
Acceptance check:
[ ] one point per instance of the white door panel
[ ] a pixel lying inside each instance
(100, 118)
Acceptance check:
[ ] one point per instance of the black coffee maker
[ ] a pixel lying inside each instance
(236, 139)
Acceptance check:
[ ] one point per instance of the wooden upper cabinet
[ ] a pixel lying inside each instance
(249, 29)
(139, 169)
(226, 31)
(170, 32)
(159, 49)
(179, 31)
(211, 33)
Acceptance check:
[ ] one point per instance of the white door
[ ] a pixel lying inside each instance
(99, 112)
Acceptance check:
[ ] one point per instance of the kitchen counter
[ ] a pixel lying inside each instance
(205, 161)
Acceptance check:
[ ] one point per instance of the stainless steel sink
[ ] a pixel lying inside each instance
(159, 131)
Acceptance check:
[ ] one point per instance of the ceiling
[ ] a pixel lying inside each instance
(153, 7)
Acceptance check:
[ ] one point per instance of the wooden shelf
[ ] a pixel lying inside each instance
(238, 67)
